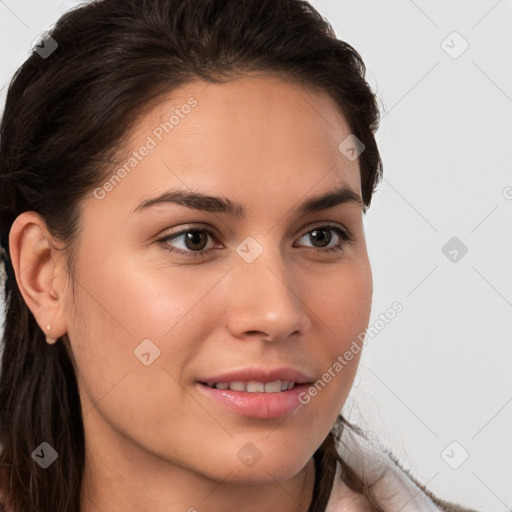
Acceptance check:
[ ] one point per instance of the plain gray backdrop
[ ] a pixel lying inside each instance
(434, 382)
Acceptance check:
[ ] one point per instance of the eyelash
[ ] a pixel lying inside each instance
(342, 233)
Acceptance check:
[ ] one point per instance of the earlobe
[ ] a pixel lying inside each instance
(34, 259)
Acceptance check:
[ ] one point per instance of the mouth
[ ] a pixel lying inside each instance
(253, 399)
(276, 386)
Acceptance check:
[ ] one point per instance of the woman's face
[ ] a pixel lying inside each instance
(259, 286)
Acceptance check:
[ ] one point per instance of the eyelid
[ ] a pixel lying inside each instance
(304, 231)
(327, 224)
(339, 229)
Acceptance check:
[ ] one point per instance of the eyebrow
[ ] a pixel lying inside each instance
(197, 201)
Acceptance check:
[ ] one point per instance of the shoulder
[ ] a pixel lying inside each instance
(393, 487)
(344, 499)
(441, 504)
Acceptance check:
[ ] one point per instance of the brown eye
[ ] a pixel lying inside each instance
(322, 236)
(195, 240)
(189, 242)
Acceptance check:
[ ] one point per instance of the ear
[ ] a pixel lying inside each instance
(40, 276)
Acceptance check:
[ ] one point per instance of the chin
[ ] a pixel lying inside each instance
(268, 469)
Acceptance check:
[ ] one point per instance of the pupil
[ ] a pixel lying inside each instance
(324, 240)
(194, 239)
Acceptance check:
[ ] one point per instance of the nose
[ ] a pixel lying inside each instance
(266, 301)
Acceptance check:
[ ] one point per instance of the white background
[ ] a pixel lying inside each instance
(439, 372)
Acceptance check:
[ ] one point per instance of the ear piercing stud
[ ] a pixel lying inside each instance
(49, 339)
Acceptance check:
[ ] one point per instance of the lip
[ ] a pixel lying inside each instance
(257, 405)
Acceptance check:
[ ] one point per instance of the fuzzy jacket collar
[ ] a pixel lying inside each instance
(397, 491)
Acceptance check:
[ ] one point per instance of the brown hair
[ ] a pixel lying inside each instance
(65, 116)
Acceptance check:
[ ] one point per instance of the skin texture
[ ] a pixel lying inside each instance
(153, 441)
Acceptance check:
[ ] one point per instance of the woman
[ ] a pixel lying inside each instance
(183, 183)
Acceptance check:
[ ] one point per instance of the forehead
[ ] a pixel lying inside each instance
(256, 136)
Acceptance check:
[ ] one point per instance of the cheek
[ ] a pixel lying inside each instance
(341, 303)
(121, 305)
(116, 387)
(128, 301)
(340, 308)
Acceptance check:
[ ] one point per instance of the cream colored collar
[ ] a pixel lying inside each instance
(394, 492)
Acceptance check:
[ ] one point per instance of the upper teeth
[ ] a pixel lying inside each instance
(256, 387)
